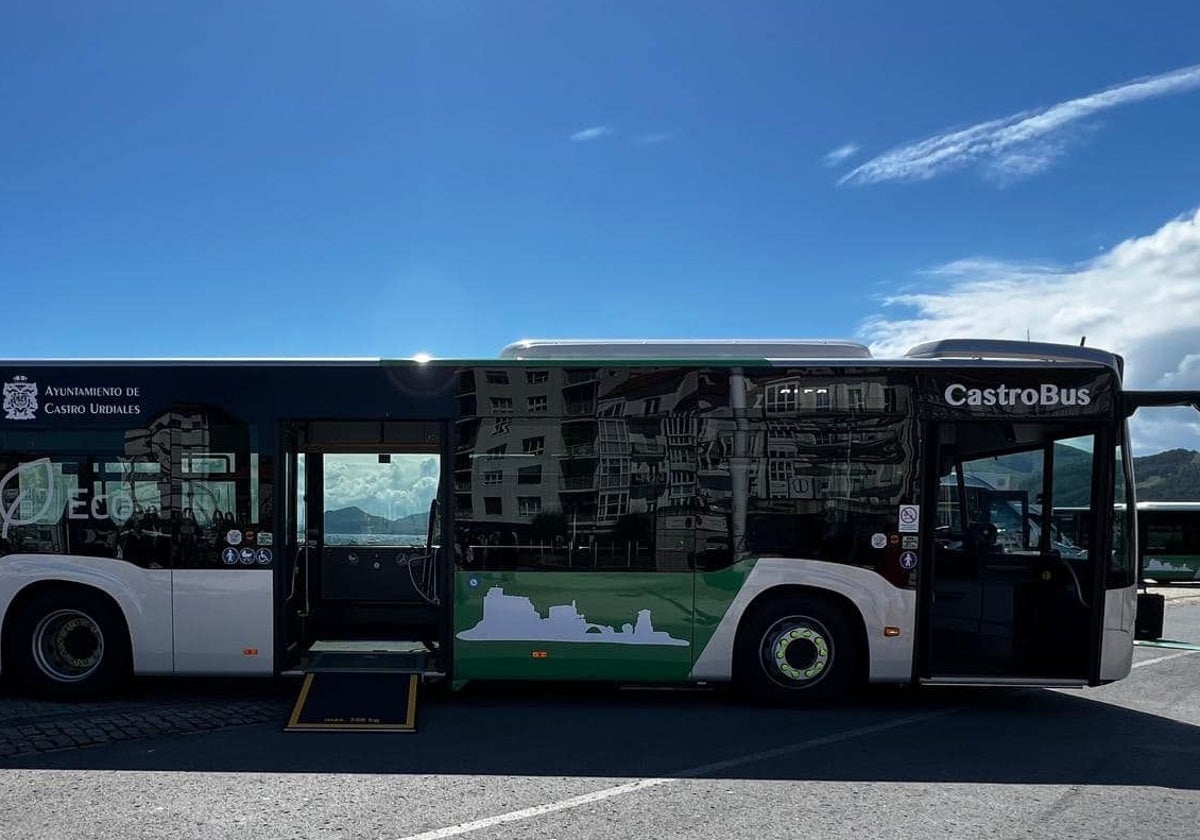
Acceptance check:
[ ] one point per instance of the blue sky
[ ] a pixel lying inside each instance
(382, 178)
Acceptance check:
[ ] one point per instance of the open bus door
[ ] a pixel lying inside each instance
(364, 566)
(1004, 600)
(1150, 607)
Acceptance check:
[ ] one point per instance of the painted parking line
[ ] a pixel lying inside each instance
(692, 772)
(1167, 658)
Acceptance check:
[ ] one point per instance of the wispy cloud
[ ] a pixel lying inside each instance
(1018, 145)
(594, 132)
(653, 138)
(1140, 299)
(841, 154)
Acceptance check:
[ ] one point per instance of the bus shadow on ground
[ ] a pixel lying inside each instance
(885, 735)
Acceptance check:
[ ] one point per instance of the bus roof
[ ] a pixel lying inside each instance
(774, 353)
(789, 350)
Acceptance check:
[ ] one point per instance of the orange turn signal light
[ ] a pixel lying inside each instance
(891, 632)
(540, 654)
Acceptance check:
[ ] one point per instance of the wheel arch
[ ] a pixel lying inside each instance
(763, 600)
(876, 602)
(46, 587)
(142, 596)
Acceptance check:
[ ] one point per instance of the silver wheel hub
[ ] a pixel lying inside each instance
(796, 652)
(68, 645)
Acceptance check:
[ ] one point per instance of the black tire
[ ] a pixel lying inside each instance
(797, 650)
(68, 644)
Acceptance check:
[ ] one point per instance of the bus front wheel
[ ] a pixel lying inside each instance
(68, 644)
(797, 649)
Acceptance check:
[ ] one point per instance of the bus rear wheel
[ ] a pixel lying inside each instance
(68, 644)
(797, 650)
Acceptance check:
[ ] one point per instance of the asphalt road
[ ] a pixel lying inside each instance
(1122, 761)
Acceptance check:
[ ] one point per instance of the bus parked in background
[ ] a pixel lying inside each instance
(1168, 538)
(1169, 541)
(791, 516)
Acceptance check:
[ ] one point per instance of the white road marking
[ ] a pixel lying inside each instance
(1158, 659)
(643, 784)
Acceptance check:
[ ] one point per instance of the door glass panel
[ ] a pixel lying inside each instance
(379, 499)
(1072, 488)
(1007, 492)
(1122, 565)
(301, 505)
(1012, 588)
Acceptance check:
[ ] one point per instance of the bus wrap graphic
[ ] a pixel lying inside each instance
(10, 510)
(513, 618)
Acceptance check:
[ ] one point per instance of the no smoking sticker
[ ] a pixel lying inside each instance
(909, 518)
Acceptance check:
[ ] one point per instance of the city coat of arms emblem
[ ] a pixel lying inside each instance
(20, 399)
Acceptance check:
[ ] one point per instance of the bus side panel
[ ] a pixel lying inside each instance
(879, 603)
(223, 621)
(1116, 651)
(144, 596)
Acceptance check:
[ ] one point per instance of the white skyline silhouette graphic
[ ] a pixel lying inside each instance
(513, 618)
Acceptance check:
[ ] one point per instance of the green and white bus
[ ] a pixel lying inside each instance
(1169, 540)
(765, 513)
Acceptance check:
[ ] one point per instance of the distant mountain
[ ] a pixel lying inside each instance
(1168, 476)
(1173, 475)
(354, 520)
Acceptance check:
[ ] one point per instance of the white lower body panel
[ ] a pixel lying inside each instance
(1116, 645)
(224, 621)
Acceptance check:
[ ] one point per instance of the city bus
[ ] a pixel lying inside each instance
(1169, 541)
(1168, 538)
(789, 516)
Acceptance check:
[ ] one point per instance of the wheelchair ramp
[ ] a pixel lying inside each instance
(360, 687)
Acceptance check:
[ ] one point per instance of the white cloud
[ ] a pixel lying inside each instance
(594, 132)
(1018, 145)
(403, 487)
(841, 154)
(653, 138)
(1140, 299)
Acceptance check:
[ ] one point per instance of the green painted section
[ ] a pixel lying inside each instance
(626, 626)
(715, 591)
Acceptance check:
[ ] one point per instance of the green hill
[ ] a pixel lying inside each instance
(1173, 475)
(353, 520)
